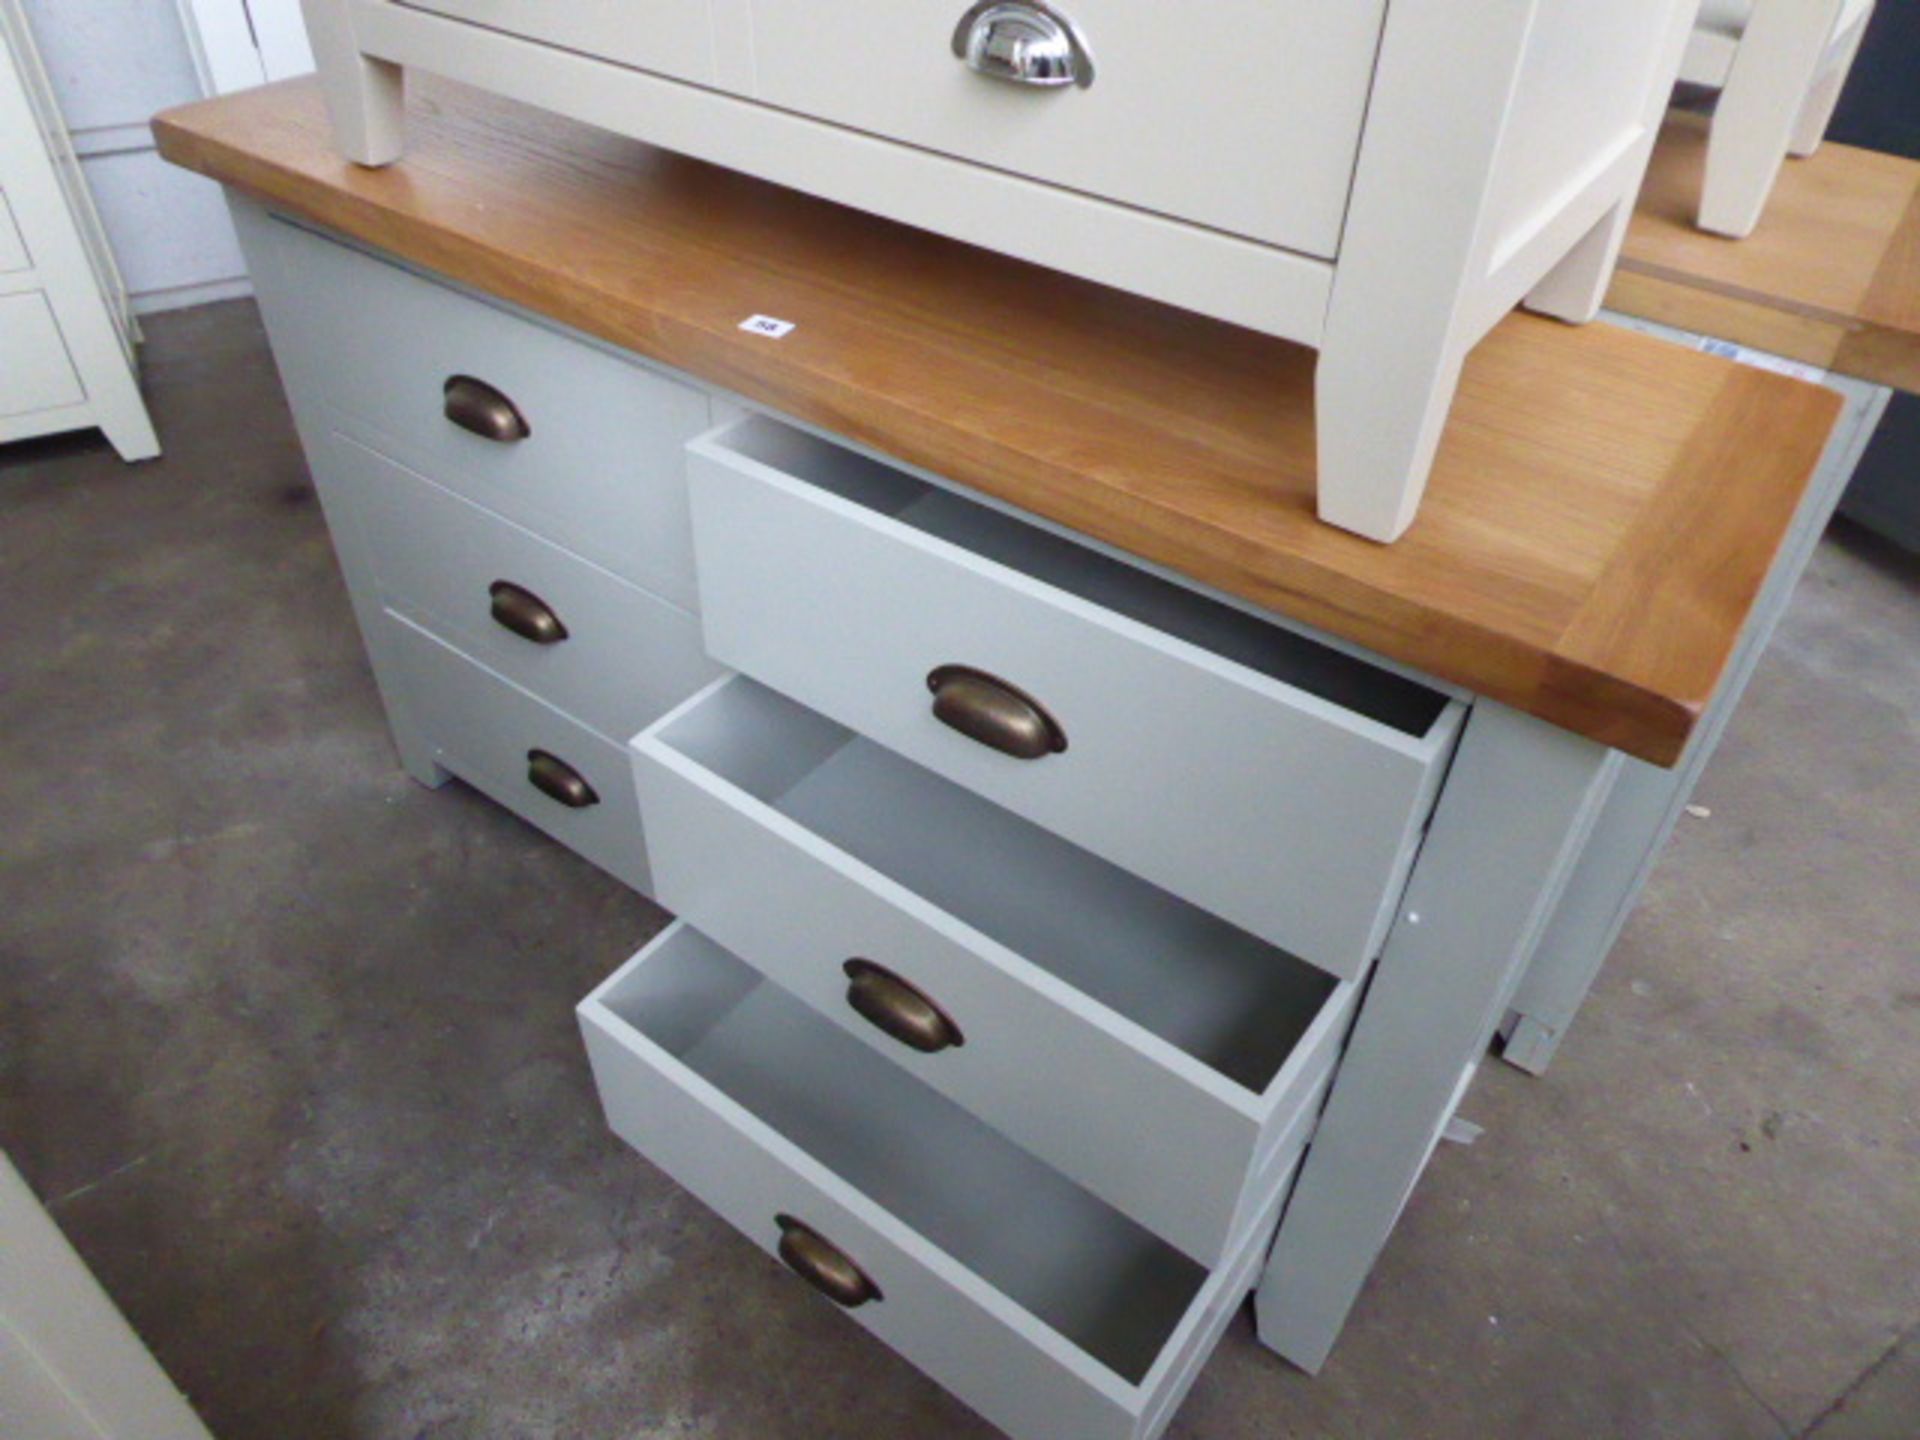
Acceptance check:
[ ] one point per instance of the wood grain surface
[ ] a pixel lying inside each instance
(1603, 512)
(1831, 276)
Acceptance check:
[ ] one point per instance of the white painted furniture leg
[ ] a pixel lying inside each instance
(1403, 317)
(1511, 824)
(366, 98)
(1773, 72)
(1574, 289)
(1817, 113)
(1398, 327)
(113, 389)
(119, 409)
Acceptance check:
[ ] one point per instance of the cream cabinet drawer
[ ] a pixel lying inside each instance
(613, 656)
(548, 769)
(1262, 776)
(1045, 1310)
(1240, 115)
(601, 467)
(35, 370)
(668, 37)
(13, 250)
(1072, 1006)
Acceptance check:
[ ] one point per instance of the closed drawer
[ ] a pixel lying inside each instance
(1045, 1310)
(13, 250)
(669, 37)
(601, 469)
(1265, 777)
(35, 371)
(1241, 115)
(606, 652)
(489, 731)
(1076, 1008)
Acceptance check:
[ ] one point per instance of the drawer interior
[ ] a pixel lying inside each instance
(1234, 1003)
(1112, 1288)
(1270, 650)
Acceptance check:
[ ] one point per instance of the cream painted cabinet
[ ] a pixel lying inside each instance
(67, 335)
(1380, 183)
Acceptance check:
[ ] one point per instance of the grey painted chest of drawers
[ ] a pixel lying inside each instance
(1047, 925)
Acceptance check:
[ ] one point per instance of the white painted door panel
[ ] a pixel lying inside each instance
(1197, 763)
(1092, 1008)
(1241, 115)
(628, 656)
(35, 370)
(602, 471)
(669, 37)
(1043, 1309)
(483, 728)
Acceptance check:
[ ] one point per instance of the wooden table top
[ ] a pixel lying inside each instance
(1603, 512)
(1831, 276)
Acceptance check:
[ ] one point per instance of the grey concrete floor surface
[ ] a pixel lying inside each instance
(287, 1044)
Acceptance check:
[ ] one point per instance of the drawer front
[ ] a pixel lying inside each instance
(35, 371)
(1275, 809)
(1066, 1077)
(934, 1310)
(483, 727)
(601, 471)
(13, 250)
(668, 37)
(627, 656)
(1241, 115)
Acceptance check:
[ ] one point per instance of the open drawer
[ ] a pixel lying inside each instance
(1070, 1004)
(1276, 781)
(1049, 1312)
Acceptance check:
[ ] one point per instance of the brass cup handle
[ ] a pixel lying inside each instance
(824, 1265)
(986, 708)
(476, 406)
(525, 614)
(557, 780)
(900, 1009)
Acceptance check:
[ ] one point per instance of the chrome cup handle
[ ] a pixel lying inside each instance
(1023, 42)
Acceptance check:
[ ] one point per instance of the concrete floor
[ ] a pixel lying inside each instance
(287, 1044)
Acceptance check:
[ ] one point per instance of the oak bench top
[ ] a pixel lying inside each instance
(1831, 276)
(1602, 515)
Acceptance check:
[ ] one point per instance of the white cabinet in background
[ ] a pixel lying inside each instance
(1380, 183)
(67, 335)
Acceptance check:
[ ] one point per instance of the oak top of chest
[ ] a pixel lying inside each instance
(1830, 276)
(1603, 512)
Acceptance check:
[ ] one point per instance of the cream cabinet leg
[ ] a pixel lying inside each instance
(366, 98)
(1765, 95)
(1817, 113)
(1380, 405)
(1574, 289)
(123, 416)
